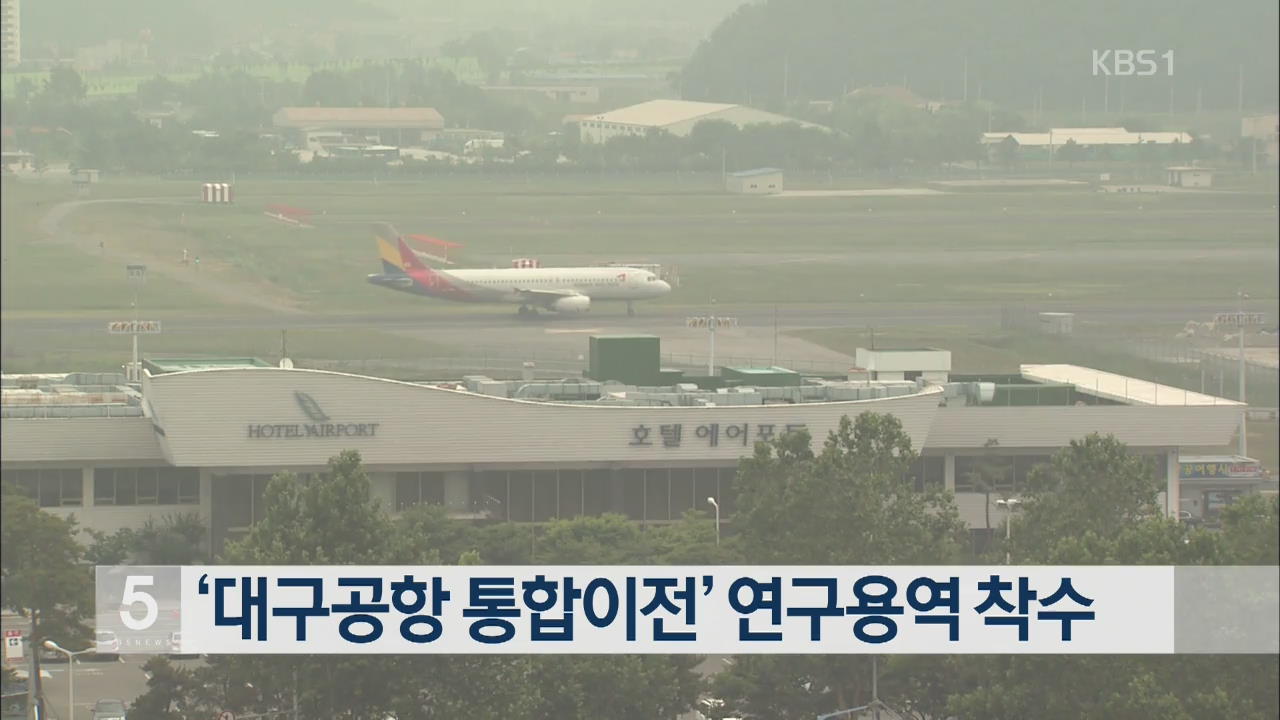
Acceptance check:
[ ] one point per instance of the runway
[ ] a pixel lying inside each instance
(437, 315)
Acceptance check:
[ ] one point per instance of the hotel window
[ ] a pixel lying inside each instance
(413, 488)
(49, 488)
(146, 486)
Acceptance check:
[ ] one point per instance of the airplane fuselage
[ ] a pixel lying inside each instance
(519, 285)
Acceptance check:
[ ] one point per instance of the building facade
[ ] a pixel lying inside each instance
(207, 441)
(761, 181)
(10, 33)
(677, 117)
(316, 127)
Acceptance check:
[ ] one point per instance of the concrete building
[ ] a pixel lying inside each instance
(674, 116)
(206, 437)
(1087, 137)
(1263, 131)
(308, 126)
(1189, 177)
(761, 181)
(574, 94)
(10, 33)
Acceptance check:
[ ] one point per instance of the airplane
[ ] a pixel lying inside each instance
(564, 290)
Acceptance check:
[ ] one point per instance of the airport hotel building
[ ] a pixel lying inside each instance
(205, 437)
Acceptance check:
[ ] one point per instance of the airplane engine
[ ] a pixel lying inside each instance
(573, 304)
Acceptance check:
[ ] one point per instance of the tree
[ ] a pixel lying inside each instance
(989, 473)
(64, 85)
(328, 519)
(1092, 488)
(41, 578)
(1094, 503)
(168, 690)
(1070, 152)
(850, 504)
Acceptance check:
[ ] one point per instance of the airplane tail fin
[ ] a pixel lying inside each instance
(393, 261)
(387, 237)
(409, 258)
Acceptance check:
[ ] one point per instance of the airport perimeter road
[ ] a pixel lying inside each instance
(121, 680)
(790, 316)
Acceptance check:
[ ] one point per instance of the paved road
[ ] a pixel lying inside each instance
(853, 314)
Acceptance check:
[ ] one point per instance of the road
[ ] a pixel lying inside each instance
(789, 316)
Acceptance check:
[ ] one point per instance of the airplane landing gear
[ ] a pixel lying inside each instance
(631, 309)
(525, 311)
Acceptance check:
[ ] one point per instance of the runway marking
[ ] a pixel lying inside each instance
(551, 331)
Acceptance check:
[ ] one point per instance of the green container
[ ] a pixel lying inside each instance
(1033, 395)
(670, 376)
(631, 359)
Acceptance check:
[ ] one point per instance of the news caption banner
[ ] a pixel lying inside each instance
(696, 610)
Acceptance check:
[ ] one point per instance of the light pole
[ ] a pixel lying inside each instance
(1244, 411)
(137, 276)
(711, 322)
(716, 505)
(1009, 504)
(71, 674)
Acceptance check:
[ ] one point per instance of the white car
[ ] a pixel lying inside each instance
(106, 644)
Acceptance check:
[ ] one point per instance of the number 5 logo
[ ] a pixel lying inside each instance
(133, 596)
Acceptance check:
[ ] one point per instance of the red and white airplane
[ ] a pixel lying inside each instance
(562, 290)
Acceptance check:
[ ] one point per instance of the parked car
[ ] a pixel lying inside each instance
(107, 645)
(109, 710)
(175, 647)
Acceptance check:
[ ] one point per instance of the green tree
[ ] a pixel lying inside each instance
(326, 519)
(1070, 152)
(1094, 503)
(850, 504)
(168, 690)
(41, 578)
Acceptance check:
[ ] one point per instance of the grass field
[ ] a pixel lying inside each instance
(971, 247)
(963, 247)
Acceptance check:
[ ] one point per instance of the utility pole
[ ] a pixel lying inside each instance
(1240, 91)
(966, 78)
(137, 276)
(33, 680)
(786, 78)
(1244, 411)
(775, 335)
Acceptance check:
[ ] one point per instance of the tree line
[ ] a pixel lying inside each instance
(222, 122)
(1015, 53)
(847, 503)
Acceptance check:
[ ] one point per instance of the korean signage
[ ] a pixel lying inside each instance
(320, 425)
(1236, 319)
(709, 435)
(710, 321)
(13, 652)
(1219, 470)
(131, 327)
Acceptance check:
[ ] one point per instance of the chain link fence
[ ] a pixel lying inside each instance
(1201, 363)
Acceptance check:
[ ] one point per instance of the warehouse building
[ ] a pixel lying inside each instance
(205, 437)
(761, 181)
(310, 127)
(677, 117)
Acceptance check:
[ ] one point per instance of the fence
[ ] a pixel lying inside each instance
(1184, 363)
(501, 364)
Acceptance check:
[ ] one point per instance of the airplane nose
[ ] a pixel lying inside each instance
(664, 286)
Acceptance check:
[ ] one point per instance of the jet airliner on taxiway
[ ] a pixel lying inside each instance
(561, 290)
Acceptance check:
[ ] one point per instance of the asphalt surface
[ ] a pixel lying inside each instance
(851, 314)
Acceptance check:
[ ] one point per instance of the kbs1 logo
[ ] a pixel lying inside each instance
(1126, 63)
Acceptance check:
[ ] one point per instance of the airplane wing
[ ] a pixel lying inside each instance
(545, 298)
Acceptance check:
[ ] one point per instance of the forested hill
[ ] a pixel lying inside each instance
(1013, 49)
